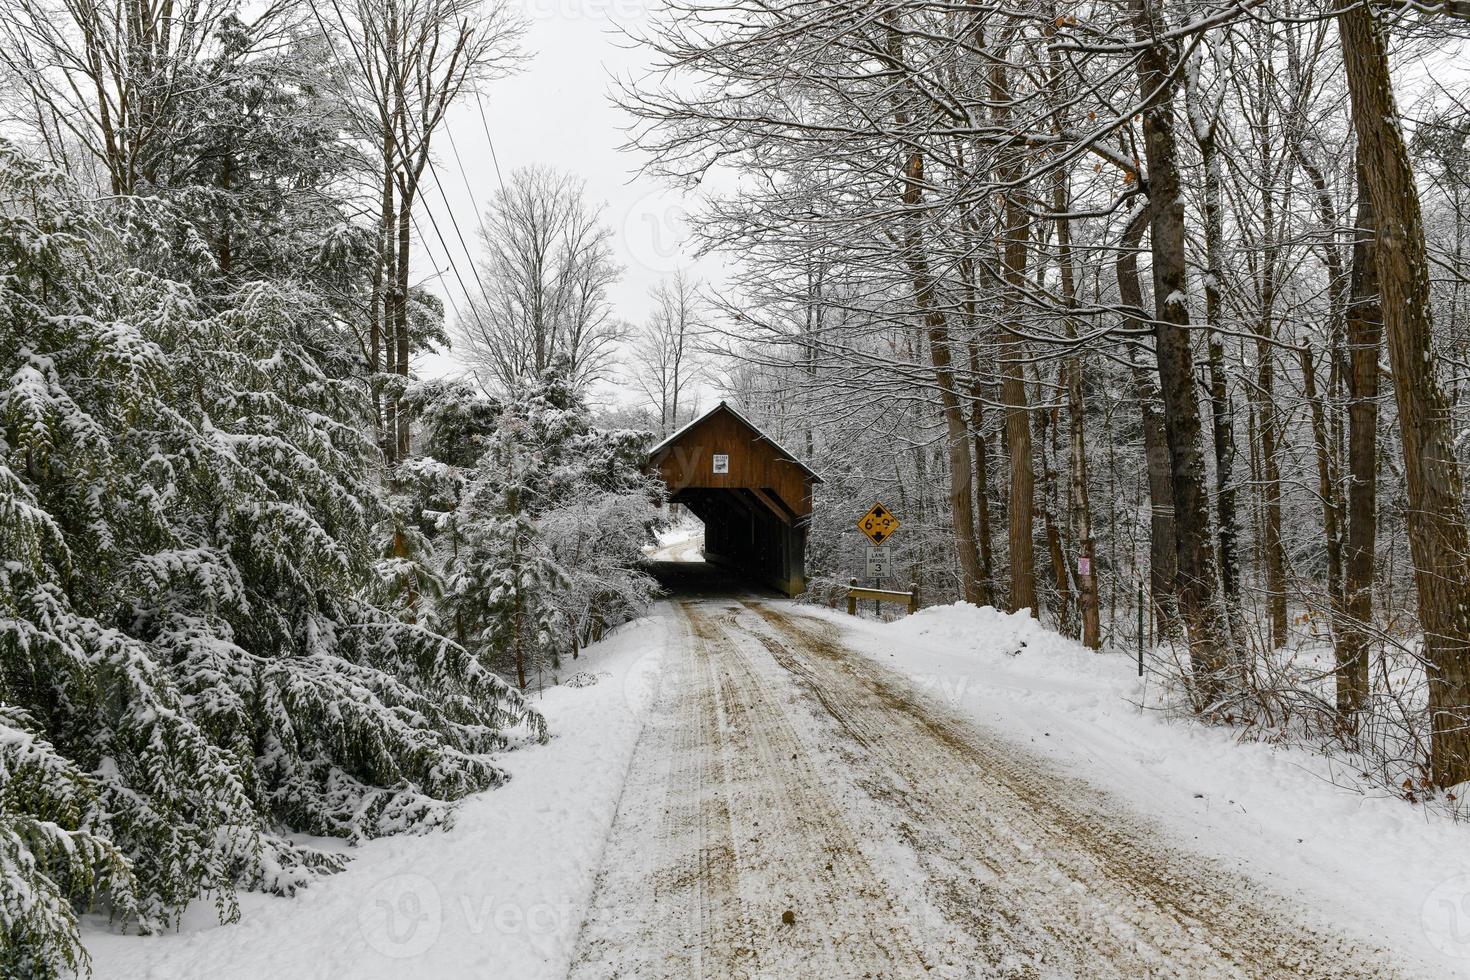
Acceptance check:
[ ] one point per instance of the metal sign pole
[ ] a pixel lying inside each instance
(1140, 624)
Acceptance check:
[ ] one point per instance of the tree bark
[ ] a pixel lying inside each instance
(1364, 339)
(982, 478)
(1081, 516)
(1048, 420)
(1326, 479)
(1222, 422)
(1199, 602)
(1273, 552)
(1021, 514)
(1163, 551)
(1436, 515)
(400, 312)
(936, 326)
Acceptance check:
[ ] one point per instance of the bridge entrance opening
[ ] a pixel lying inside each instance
(754, 497)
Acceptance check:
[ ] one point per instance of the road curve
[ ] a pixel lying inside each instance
(795, 810)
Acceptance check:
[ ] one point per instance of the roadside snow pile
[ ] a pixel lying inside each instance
(990, 631)
(501, 894)
(1391, 872)
(1013, 654)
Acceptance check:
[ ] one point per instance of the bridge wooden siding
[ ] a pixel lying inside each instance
(756, 514)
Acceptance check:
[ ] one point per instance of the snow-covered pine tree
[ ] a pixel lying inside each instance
(50, 861)
(539, 520)
(597, 528)
(189, 660)
(504, 576)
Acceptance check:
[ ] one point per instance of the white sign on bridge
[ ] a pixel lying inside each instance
(879, 564)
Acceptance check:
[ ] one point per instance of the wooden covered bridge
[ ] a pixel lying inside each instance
(754, 497)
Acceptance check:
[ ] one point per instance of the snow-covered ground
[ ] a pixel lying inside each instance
(500, 895)
(1381, 868)
(504, 893)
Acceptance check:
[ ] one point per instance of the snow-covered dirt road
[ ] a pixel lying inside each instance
(793, 809)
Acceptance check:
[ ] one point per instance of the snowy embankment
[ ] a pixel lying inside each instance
(501, 894)
(1365, 862)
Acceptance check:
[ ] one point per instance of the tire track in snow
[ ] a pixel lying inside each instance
(796, 850)
(666, 885)
(1036, 872)
(725, 825)
(780, 772)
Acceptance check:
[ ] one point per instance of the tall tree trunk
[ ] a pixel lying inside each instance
(1199, 600)
(979, 452)
(1222, 412)
(1081, 515)
(1334, 504)
(1021, 512)
(1436, 514)
(1271, 430)
(982, 477)
(382, 286)
(1326, 479)
(1364, 324)
(1022, 502)
(400, 312)
(936, 326)
(1273, 553)
(957, 441)
(1090, 601)
(1048, 421)
(390, 336)
(1163, 559)
(1326, 431)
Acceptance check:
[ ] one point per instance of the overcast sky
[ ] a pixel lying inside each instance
(556, 112)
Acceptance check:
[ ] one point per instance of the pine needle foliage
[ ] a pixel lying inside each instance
(536, 520)
(193, 658)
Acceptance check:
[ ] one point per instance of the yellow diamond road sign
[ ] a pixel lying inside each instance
(878, 524)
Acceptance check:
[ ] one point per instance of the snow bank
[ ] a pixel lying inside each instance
(1354, 858)
(502, 894)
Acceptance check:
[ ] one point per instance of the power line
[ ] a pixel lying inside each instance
(480, 101)
(448, 255)
(474, 266)
(452, 267)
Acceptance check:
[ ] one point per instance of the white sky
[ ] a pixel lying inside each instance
(556, 112)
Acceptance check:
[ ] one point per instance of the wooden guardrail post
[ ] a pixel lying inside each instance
(851, 597)
(913, 597)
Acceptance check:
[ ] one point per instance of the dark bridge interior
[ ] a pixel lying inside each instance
(754, 498)
(705, 580)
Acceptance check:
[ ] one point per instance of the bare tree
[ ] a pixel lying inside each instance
(1437, 530)
(1010, 222)
(405, 62)
(544, 277)
(666, 358)
(106, 82)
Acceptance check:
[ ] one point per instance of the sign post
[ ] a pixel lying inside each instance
(878, 524)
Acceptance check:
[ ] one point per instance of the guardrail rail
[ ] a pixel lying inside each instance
(856, 592)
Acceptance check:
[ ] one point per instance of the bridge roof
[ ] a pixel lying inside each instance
(780, 450)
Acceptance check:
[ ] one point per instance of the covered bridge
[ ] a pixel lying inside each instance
(754, 497)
